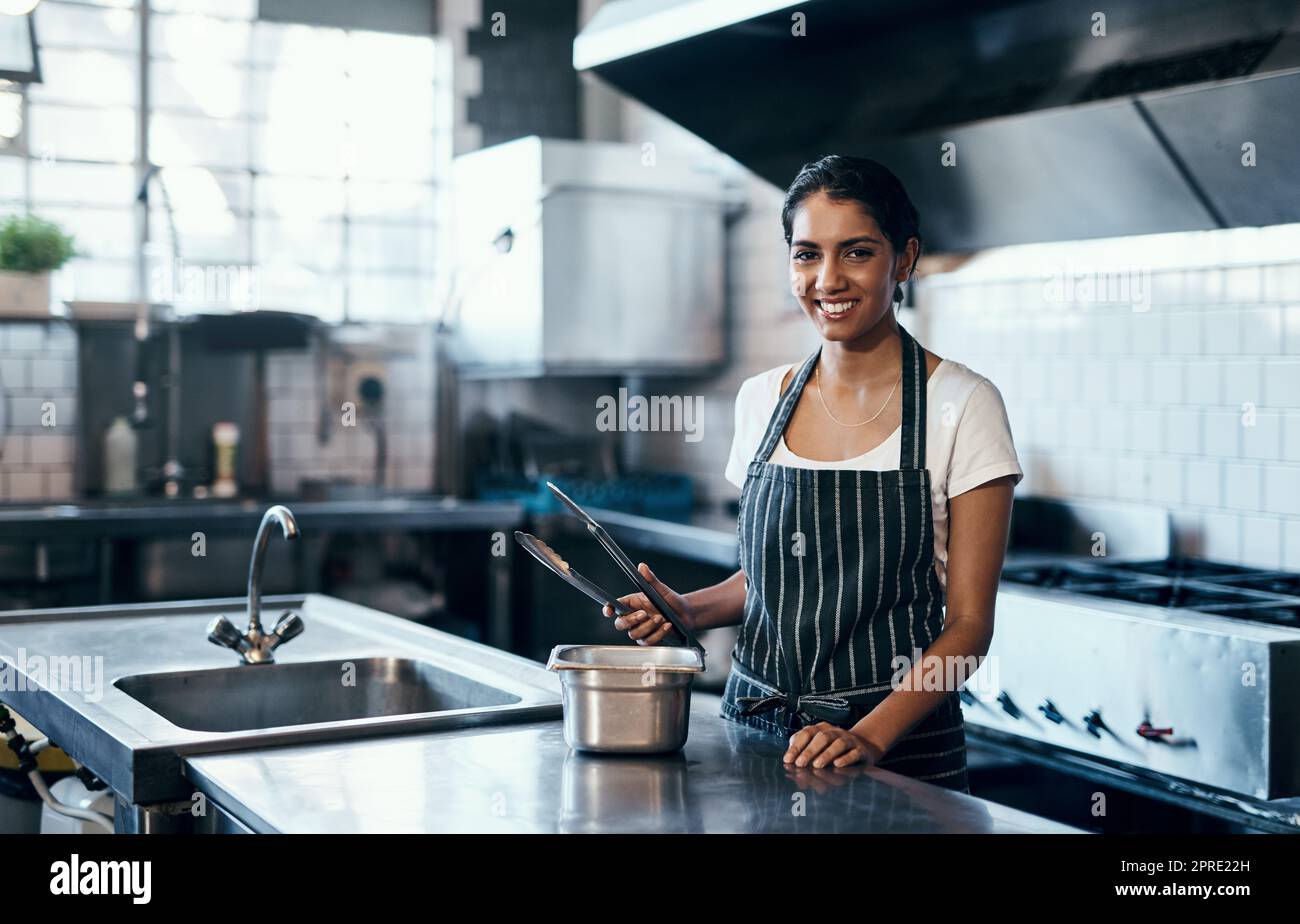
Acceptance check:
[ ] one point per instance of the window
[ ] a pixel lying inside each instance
(305, 159)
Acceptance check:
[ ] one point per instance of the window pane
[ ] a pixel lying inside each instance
(95, 281)
(197, 141)
(215, 89)
(75, 133)
(98, 78)
(199, 38)
(59, 182)
(12, 184)
(67, 25)
(375, 247)
(373, 297)
(299, 197)
(100, 233)
(287, 286)
(395, 202)
(229, 9)
(314, 244)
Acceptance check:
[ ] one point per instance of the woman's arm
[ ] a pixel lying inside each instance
(977, 540)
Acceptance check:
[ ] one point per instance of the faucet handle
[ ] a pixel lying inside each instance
(289, 626)
(221, 631)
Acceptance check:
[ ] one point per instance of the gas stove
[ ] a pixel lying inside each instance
(1229, 590)
(1184, 670)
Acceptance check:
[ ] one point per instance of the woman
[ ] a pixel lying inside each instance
(876, 485)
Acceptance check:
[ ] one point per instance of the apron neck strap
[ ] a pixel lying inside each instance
(912, 451)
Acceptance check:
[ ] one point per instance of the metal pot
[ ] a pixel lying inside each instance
(623, 699)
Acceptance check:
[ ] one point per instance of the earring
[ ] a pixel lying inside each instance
(898, 292)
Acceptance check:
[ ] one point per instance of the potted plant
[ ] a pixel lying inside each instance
(30, 249)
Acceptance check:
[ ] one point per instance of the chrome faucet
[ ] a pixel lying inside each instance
(255, 646)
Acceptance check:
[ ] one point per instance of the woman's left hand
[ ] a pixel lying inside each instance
(827, 745)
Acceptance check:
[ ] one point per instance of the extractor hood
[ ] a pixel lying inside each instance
(1060, 132)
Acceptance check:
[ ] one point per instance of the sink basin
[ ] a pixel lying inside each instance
(152, 691)
(260, 696)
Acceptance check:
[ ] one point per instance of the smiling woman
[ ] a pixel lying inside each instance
(872, 531)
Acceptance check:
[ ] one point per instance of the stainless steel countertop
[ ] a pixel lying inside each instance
(524, 779)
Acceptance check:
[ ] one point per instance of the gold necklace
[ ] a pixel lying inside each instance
(817, 373)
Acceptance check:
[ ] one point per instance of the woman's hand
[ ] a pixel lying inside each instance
(647, 626)
(827, 745)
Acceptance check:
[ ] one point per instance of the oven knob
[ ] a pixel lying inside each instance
(1051, 713)
(1008, 706)
(1093, 724)
(1149, 731)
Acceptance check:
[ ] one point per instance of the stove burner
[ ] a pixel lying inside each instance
(1175, 595)
(1179, 566)
(1281, 582)
(1277, 614)
(1064, 577)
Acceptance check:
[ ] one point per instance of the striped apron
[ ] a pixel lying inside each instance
(840, 581)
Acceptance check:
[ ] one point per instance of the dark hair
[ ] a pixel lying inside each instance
(867, 182)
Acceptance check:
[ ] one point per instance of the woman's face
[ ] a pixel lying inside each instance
(842, 268)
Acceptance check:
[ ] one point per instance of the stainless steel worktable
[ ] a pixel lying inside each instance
(523, 778)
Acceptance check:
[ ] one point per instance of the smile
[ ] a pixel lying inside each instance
(835, 308)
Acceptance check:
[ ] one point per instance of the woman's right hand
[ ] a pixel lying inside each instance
(648, 626)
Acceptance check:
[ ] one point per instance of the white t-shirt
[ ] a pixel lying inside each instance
(968, 439)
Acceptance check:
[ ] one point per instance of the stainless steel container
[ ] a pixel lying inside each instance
(626, 699)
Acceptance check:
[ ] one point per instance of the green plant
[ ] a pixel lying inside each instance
(31, 245)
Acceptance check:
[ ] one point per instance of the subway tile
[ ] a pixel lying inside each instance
(1291, 436)
(1112, 428)
(1165, 484)
(1149, 330)
(1281, 282)
(1132, 478)
(25, 486)
(1221, 331)
(1261, 436)
(1203, 482)
(15, 371)
(1242, 486)
(1281, 486)
(1147, 430)
(1242, 283)
(46, 449)
(1260, 331)
(60, 484)
(16, 449)
(1220, 536)
(1167, 382)
(1291, 329)
(51, 375)
(1079, 427)
(1242, 383)
(1282, 382)
(1261, 542)
(1291, 544)
(25, 338)
(1204, 382)
(1097, 473)
(1221, 433)
(1128, 382)
(1182, 431)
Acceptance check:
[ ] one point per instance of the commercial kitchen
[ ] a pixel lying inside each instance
(353, 356)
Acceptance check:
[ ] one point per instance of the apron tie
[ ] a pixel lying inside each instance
(812, 707)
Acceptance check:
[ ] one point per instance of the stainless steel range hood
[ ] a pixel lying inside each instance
(1059, 133)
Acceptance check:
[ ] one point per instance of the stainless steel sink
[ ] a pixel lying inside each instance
(260, 696)
(153, 691)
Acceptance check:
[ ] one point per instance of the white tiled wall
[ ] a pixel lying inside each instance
(1189, 399)
(38, 376)
(348, 454)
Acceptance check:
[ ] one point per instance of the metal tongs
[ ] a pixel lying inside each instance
(624, 563)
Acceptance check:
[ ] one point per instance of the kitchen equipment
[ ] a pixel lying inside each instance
(625, 564)
(558, 566)
(1184, 672)
(528, 216)
(120, 450)
(1101, 133)
(624, 699)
